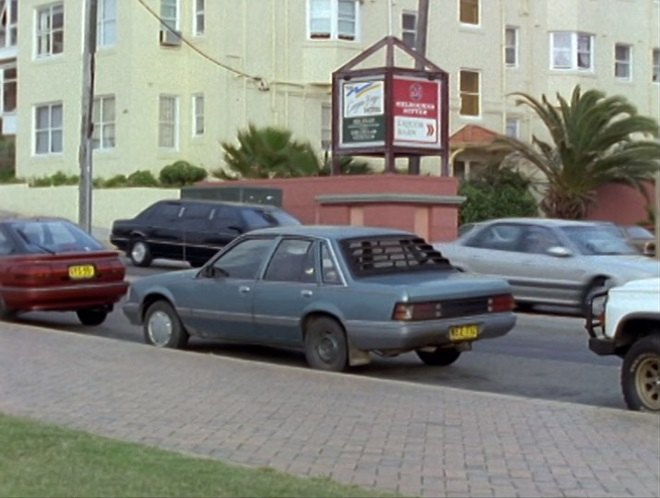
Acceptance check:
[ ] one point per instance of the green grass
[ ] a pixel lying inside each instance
(39, 460)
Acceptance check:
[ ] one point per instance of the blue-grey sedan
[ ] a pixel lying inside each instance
(339, 293)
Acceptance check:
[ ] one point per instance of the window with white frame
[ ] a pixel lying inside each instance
(48, 121)
(656, 66)
(103, 120)
(513, 126)
(198, 114)
(198, 18)
(169, 14)
(9, 88)
(326, 126)
(511, 46)
(571, 51)
(468, 11)
(8, 23)
(106, 30)
(469, 93)
(168, 121)
(333, 19)
(409, 28)
(50, 30)
(623, 62)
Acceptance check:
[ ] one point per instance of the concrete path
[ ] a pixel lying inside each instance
(412, 439)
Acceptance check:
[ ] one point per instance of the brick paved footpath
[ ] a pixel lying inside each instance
(413, 439)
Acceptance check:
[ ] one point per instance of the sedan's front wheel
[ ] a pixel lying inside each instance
(439, 357)
(325, 345)
(140, 253)
(163, 327)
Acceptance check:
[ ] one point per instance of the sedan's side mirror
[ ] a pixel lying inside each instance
(559, 252)
(211, 271)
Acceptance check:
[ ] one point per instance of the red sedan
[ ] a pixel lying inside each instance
(52, 265)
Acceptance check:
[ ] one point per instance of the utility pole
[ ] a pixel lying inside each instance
(86, 126)
(420, 47)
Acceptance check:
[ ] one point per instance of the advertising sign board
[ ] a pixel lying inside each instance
(362, 113)
(416, 112)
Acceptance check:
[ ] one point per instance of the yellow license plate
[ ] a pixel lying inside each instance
(463, 332)
(79, 272)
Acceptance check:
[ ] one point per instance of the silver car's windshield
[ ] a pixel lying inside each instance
(594, 240)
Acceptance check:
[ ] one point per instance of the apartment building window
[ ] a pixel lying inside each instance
(409, 29)
(571, 51)
(48, 128)
(623, 62)
(469, 93)
(333, 19)
(511, 46)
(656, 65)
(106, 30)
(513, 127)
(198, 18)
(326, 127)
(168, 121)
(9, 81)
(198, 115)
(169, 13)
(468, 11)
(50, 30)
(8, 23)
(103, 119)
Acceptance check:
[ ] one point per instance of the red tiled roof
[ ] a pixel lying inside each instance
(471, 136)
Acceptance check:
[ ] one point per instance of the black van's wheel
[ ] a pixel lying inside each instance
(325, 345)
(163, 327)
(92, 316)
(640, 375)
(140, 253)
(440, 357)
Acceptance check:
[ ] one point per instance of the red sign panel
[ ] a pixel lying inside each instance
(416, 112)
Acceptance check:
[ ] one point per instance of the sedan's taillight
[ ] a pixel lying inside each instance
(417, 311)
(502, 303)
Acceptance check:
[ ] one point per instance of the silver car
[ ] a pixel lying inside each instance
(549, 261)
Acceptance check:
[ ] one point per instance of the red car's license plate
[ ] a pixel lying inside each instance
(80, 272)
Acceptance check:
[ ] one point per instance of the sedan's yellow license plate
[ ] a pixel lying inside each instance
(80, 272)
(463, 332)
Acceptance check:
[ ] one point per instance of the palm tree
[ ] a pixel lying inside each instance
(596, 140)
(267, 153)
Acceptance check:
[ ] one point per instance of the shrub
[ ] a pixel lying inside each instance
(141, 178)
(181, 173)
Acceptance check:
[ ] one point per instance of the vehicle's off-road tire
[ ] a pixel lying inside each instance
(640, 374)
(163, 328)
(140, 253)
(597, 285)
(92, 317)
(325, 345)
(441, 357)
(5, 313)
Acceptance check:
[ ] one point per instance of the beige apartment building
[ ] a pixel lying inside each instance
(176, 78)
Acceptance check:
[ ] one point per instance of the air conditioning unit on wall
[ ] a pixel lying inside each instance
(170, 38)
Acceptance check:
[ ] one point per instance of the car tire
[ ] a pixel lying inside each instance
(440, 357)
(597, 285)
(140, 253)
(6, 313)
(640, 374)
(92, 317)
(163, 328)
(325, 345)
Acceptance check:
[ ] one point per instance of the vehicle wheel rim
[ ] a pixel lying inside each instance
(327, 348)
(159, 328)
(647, 380)
(138, 252)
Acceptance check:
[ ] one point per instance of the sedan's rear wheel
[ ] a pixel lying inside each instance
(92, 317)
(163, 327)
(325, 345)
(140, 253)
(440, 357)
(640, 375)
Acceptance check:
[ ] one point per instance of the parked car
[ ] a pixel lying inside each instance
(626, 323)
(338, 293)
(549, 261)
(639, 237)
(190, 229)
(49, 264)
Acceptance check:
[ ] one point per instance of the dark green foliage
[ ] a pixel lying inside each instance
(55, 180)
(181, 173)
(595, 140)
(496, 193)
(141, 178)
(347, 165)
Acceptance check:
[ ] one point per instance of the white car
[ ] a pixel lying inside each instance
(627, 324)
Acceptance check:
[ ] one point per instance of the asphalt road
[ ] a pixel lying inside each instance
(545, 356)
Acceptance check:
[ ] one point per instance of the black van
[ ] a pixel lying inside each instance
(190, 230)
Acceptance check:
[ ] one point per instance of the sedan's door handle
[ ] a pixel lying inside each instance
(244, 289)
(306, 293)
